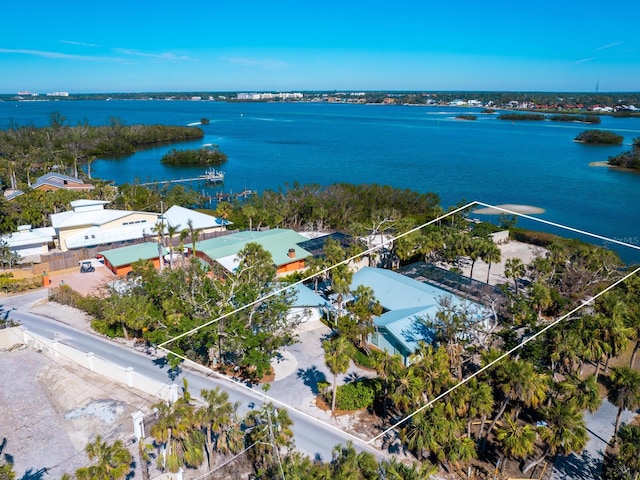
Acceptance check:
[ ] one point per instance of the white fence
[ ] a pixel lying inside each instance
(15, 336)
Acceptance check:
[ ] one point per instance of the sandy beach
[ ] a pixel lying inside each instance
(510, 208)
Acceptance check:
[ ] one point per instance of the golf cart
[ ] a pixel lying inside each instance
(86, 267)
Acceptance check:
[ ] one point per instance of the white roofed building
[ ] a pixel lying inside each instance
(89, 224)
(29, 242)
(179, 217)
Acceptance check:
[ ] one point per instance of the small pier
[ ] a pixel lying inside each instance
(209, 177)
(226, 196)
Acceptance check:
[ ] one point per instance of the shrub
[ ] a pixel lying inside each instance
(8, 284)
(363, 359)
(541, 239)
(111, 331)
(357, 395)
(65, 295)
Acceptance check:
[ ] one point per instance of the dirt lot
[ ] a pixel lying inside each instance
(83, 283)
(55, 409)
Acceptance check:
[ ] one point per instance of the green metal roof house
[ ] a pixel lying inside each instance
(281, 243)
(119, 260)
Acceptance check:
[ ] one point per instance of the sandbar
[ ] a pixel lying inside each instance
(599, 164)
(523, 209)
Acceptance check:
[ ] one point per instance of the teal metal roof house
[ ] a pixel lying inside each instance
(281, 243)
(406, 302)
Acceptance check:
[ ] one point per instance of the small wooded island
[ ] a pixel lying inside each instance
(200, 156)
(575, 118)
(521, 116)
(630, 159)
(465, 116)
(599, 137)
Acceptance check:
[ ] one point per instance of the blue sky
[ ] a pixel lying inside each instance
(144, 46)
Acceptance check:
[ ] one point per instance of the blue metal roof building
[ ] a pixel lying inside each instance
(407, 303)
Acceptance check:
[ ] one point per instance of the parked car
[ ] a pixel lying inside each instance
(86, 267)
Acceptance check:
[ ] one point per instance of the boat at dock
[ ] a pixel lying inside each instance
(212, 176)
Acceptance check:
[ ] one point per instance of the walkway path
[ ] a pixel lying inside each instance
(588, 464)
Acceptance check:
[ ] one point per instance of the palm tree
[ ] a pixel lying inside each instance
(514, 269)
(270, 429)
(629, 453)
(479, 404)
(217, 416)
(249, 211)
(427, 431)
(617, 334)
(172, 230)
(624, 391)
(387, 368)
(407, 391)
(432, 365)
(194, 234)
(364, 309)
(594, 343)
(565, 432)
(224, 210)
(583, 393)
(516, 441)
(396, 470)
(474, 251)
(341, 277)
(337, 359)
(520, 382)
(182, 443)
(490, 254)
(346, 462)
(540, 297)
(112, 462)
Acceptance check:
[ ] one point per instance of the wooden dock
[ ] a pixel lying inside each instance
(199, 178)
(226, 196)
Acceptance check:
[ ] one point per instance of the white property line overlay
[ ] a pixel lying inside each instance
(377, 247)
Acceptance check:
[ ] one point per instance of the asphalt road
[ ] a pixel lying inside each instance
(312, 436)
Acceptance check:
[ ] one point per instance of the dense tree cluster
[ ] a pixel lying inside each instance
(521, 116)
(200, 156)
(27, 152)
(338, 206)
(575, 118)
(629, 159)
(599, 137)
(247, 321)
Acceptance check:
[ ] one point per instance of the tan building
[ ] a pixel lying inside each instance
(89, 224)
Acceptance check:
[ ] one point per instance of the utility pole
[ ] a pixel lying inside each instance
(161, 236)
(273, 440)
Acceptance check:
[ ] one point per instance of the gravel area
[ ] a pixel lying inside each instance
(55, 409)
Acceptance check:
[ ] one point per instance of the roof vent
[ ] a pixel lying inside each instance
(292, 253)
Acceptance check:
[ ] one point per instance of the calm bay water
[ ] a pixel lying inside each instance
(419, 148)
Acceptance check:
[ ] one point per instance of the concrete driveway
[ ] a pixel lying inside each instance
(588, 464)
(302, 366)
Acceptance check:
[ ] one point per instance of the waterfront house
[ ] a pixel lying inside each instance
(406, 303)
(179, 217)
(57, 181)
